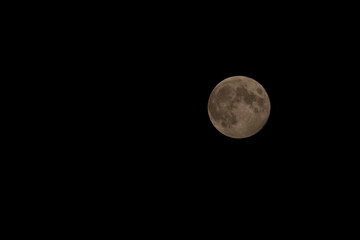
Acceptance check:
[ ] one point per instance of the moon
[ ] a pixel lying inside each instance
(239, 107)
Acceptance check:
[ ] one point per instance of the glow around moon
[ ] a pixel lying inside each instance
(239, 107)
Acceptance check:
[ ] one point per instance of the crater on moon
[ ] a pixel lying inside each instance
(238, 107)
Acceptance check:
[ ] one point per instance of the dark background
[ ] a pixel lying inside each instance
(119, 109)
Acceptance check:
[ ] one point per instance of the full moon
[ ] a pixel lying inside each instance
(239, 107)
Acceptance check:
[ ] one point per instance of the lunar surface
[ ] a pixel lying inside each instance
(239, 107)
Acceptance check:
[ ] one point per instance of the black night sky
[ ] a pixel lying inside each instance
(127, 109)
